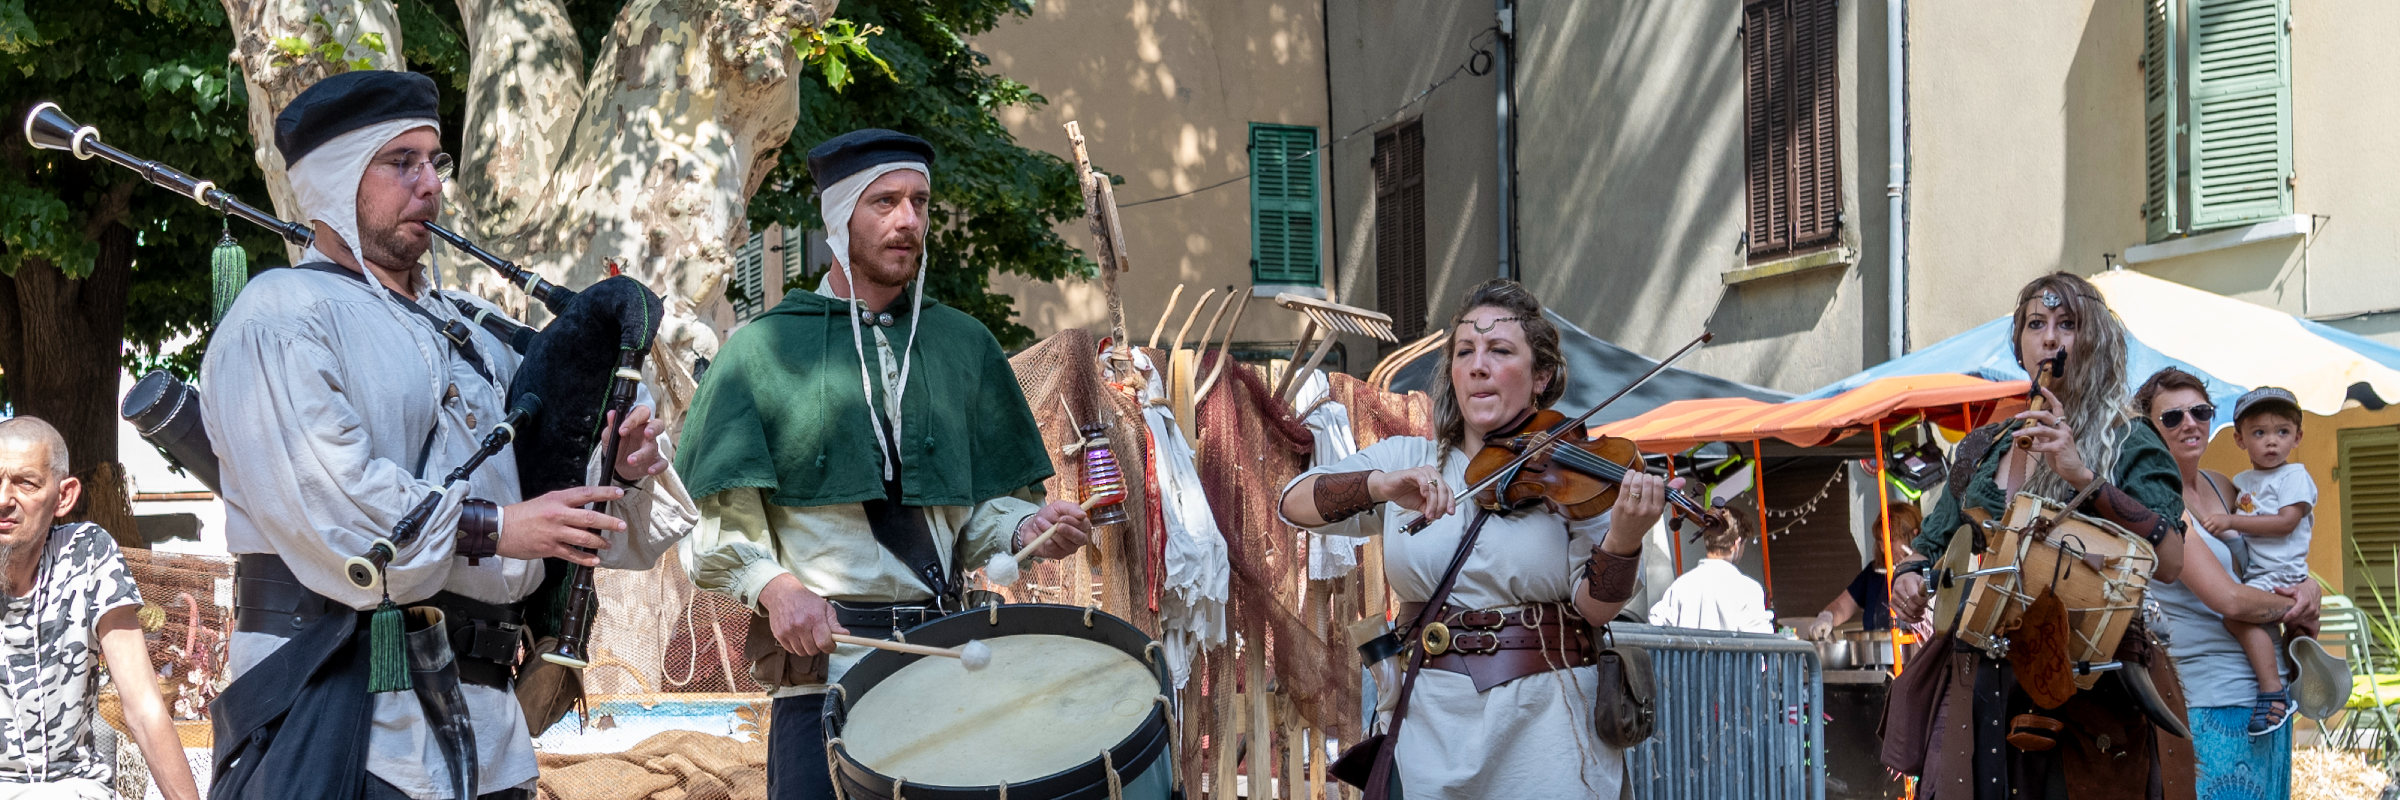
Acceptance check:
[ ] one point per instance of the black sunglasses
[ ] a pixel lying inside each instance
(2173, 417)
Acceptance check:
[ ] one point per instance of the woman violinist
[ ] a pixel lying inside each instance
(2085, 437)
(1514, 721)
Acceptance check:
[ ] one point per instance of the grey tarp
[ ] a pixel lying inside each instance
(1597, 368)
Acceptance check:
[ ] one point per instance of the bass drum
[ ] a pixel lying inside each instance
(1074, 705)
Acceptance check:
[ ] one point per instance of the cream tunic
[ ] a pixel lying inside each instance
(319, 391)
(1531, 737)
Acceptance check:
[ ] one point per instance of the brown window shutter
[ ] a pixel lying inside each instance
(1400, 285)
(1816, 151)
(1766, 91)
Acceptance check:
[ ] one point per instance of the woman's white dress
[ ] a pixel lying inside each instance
(1528, 738)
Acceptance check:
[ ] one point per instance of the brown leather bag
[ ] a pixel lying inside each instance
(771, 665)
(1624, 712)
(1909, 706)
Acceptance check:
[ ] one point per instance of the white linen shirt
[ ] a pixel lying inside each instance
(319, 392)
(1715, 596)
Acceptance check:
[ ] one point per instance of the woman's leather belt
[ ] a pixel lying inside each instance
(1495, 647)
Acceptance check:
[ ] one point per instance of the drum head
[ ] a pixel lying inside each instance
(1045, 704)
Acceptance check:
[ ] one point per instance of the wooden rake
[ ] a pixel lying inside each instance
(1326, 319)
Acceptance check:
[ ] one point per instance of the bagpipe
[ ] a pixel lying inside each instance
(577, 372)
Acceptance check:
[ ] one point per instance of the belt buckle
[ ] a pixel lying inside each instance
(1460, 643)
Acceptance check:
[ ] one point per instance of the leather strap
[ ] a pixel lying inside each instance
(458, 334)
(269, 599)
(902, 530)
(1381, 777)
(1496, 647)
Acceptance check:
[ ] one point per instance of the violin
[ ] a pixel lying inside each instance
(1576, 475)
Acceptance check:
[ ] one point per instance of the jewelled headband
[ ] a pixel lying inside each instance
(1487, 328)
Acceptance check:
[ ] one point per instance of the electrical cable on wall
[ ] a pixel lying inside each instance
(1482, 54)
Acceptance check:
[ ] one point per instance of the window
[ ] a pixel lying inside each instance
(1400, 227)
(1283, 204)
(2369, 471)
(2217, 114)
(1791, 123)
(748, 291)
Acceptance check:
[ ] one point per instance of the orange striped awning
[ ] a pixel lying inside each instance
(1957, 402)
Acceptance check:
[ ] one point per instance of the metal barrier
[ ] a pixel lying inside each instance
(1739, 715)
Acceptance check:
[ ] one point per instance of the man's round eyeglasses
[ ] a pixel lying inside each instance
(411, 164)
(2173, 417)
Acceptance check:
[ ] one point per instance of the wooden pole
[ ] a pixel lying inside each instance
(1108, 244)
(1261, 763)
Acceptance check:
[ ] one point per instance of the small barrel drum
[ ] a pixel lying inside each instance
(2098, 569)
(1074, 704)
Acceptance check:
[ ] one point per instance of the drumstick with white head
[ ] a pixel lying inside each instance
(974, 655)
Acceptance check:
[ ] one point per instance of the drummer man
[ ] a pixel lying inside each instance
(851, 450)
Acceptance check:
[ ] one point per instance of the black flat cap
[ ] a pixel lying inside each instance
(348, 102)
(854, 152)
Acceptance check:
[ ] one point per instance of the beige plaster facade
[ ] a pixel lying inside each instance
(1164, 91)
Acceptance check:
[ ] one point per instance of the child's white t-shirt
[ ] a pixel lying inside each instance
(2276, 561)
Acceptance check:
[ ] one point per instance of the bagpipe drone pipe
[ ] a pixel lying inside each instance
(578, 371)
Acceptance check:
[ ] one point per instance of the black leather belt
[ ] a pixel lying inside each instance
(486, 637)
(879, 620)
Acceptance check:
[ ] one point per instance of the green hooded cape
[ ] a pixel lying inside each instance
(782, 409)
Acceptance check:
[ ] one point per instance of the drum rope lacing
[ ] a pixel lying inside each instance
(1116, 785)
(830, 744)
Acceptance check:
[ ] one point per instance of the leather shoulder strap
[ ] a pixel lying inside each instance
(460, 337)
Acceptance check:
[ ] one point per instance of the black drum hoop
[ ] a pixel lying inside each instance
(1141, 750)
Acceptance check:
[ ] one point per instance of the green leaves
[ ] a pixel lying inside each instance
(152, 77)
(829, 47)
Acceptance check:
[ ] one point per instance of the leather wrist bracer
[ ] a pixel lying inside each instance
(2113, 504)
(1611, 578)
(478, 530)
(1342, 495)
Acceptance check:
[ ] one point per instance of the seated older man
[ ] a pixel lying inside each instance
(67, 595)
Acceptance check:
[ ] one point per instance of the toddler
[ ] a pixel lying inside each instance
(2271, 519)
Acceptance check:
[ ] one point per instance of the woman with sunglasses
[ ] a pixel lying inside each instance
(2085, 443)
(2218, 682)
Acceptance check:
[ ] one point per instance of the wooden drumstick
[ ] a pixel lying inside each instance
(974, 654)
(1003, 568)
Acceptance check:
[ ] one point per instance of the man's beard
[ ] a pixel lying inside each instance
(871, 270)
(8, 558)
(386, 247)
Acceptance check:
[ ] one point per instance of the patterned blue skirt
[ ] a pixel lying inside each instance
(2235, 765)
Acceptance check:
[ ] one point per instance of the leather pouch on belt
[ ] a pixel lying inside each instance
(771, 665)
(2038, 651)
(2034, 733)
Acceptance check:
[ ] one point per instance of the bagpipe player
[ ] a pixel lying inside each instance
(338, 393)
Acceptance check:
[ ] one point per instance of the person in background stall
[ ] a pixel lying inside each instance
(67, 599)
(1715, 595)
(1868, 596)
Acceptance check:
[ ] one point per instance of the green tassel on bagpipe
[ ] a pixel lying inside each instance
(229, 269)
(387, 658)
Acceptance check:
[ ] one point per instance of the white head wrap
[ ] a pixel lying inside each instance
(325, 181)
(839, 201)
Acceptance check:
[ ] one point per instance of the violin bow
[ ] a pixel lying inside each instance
(1550, 437)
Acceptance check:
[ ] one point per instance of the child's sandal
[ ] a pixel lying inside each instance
(2270, 712)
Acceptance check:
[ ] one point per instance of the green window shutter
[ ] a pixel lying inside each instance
(2240, 74)
(1283, 204)
(2369, 471)
(2160, 122)
(748, 291)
